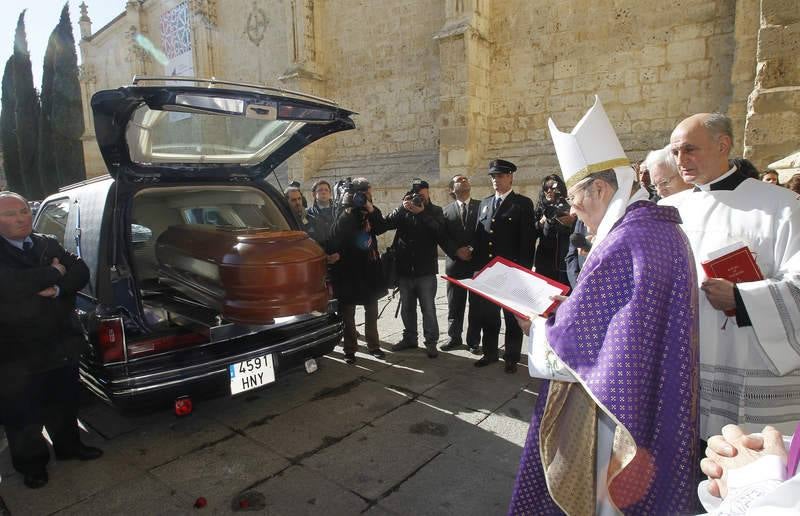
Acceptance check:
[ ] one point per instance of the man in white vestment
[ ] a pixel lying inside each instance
(750, 362)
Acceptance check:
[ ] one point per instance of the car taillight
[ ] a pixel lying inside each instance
(111, 339)
(164, 343)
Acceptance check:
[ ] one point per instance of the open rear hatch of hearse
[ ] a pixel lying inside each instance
(209, 249)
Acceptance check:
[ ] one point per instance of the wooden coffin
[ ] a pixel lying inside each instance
(251, 276)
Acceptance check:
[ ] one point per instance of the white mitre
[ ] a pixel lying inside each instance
(592, 147)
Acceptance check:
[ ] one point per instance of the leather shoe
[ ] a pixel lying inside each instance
(511, 367)
(377, 353)
(484, 361)
(83, 452)
(400, 346)
(350, 358)
(450, 346)
(476, 350)
(35, 480)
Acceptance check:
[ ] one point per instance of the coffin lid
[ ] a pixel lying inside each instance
(172, 128)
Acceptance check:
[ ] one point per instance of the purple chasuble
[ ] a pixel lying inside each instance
(629, 333)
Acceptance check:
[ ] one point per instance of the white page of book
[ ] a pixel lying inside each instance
(514, 288)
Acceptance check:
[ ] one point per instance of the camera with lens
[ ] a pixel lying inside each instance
(413, 195)
(557, 209)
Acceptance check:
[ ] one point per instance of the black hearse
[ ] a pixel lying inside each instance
(184, 151)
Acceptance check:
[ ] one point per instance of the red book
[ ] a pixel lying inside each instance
(515, 288)
(734, 263)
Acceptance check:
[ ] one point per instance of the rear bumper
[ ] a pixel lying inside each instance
(204, 371)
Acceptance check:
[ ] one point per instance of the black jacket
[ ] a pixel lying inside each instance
(508, 233)
(39, 333)
(456, 235)
(320, 223)
(552, 244)
(417, 240)
(357, 277)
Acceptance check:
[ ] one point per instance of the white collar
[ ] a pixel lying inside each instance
(460, 203)
(707, 187)
(502, 196)
(19, 244)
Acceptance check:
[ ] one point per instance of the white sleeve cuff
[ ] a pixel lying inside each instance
(768, 467)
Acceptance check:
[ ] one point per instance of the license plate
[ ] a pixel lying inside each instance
(251, 374)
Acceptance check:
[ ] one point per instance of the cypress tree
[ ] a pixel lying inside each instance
(47, 161)
(26, 113)
(8, 130)
(66, 107)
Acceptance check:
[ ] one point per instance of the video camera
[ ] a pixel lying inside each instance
(344, 188)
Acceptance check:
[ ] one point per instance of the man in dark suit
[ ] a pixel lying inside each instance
(505, 228)
(461, 217)
(40, 342)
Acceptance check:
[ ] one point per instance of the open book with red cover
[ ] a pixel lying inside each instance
(734, 263)
(515, 288)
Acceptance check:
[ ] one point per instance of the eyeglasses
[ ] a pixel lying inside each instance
(551, 188)
(573, 197)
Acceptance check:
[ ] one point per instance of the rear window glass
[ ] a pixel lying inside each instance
(155, 136)
(53, 219)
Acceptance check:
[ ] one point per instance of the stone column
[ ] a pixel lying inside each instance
(743, 69)
(204, 28)
(773, 110)
(464, 60)
(87, 77)
(138, 57)
(304, 74)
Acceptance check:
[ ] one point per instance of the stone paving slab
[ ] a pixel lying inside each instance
(155, 445)
(370, 464)
(221, 471)
(303, 491)
(486, 392)
(318, 423)
(141, 495)
(449, 485)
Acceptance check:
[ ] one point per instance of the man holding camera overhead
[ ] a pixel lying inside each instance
(357, 275)
(420, 228)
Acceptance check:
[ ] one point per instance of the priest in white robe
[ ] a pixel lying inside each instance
(750, 362)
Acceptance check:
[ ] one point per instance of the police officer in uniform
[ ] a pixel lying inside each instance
(505, 228)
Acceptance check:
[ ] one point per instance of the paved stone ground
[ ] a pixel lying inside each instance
(407, 435)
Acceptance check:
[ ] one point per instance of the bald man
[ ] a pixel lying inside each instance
(40, 342)
(750, 362)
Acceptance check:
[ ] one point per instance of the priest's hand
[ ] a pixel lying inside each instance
(524, 324)
(733, 449)
(719, 293)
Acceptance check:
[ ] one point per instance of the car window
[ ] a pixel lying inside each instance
(53, 219)
(155, 136)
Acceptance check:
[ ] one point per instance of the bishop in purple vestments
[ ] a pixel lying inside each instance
(616, 426)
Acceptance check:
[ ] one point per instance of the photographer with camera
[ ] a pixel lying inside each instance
(357, 276)
(420, 228)
(553, 228)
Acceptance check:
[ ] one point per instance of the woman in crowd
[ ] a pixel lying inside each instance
(553, 227)
(770, 176)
